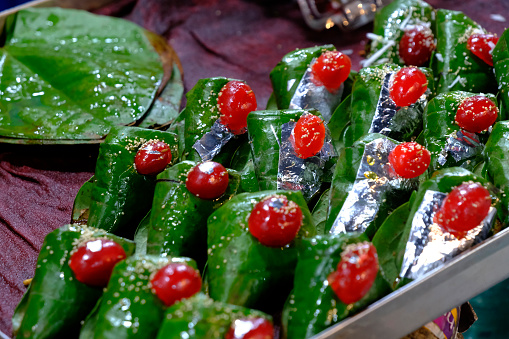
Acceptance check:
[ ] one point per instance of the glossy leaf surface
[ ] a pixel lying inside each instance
(68, 76)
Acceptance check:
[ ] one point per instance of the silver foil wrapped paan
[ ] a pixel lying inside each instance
(429, 246)
(375, 177)
(460, 145)
(386, 109)
(298, 174)
(310, 96)
(213, 141)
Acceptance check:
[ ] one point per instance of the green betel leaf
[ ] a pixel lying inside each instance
(440, 125)
(344, 184)
(56, 302)
(178, 219)
(389, 25)
(68, 76)
(313, 305)
(242, 271)
(387, 239)
(121, 196)
(443, 180)
(285, 77)
(456, 68)
(501, 64)
(200, 317)
(128, 307)
(497, 164)
(405, 125)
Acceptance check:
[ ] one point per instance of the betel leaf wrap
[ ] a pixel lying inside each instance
(439, 126)
(56, 302)
(501, 64)
(313, 305)
(388, 25)
(264, 131)
(200, 317)
(496, 159)
(406, 123)
(285, 77)
(199, 115)
(128, 307)
(178, 219)
(456, 68)
(242, 271)
(443, 181)
(69, 75)
(345, 176)
(121, 196)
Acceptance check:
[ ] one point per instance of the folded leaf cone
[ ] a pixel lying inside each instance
(242, 271)
(56, 302)
(121, 196)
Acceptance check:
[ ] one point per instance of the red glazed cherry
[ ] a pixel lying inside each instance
(207, 180)
(331, 69)
(482, 46)
(476, 114)
(251, 328)
(408, 86)
(236, 100)
(409, 159)
(93, 262)
(308, 136)
(275, 221)
(174, 282)
(416, 45)
(464, 208)
(356, 272)
(152, 158)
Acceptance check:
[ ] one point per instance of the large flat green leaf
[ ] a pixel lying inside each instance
(68, 76)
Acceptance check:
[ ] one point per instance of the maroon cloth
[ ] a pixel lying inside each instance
(232, 38)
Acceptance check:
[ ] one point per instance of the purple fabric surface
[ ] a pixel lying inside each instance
(232, 38)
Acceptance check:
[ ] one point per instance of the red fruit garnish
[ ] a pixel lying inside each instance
(464, 208)
(251, 328)
(152, 158)
(331, 69)
(275, 221)
(476, 114)
(308, 136)
(482, 46)
(408, 86)
(356, 272)
(409, 159)
(93, 262)
(416, 45)
(174, 282)
(236, 100)
(207, 180)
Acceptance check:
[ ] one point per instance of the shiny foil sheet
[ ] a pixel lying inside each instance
(298, 174)
(374, 177)
(386, 109)
(429, 246)
(310, 96)
(213, 141)
(460, 145)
